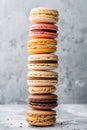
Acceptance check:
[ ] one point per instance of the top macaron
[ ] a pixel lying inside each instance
(44, 15)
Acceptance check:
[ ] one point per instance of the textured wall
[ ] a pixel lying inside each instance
(72, 49)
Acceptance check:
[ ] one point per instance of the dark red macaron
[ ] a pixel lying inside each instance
(43, 101)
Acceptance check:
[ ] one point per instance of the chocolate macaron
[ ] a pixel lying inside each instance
(43, 102)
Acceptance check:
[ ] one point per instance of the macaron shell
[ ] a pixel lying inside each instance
(44, 26)
(46, 11)
(41, 90)
(41, 57)
(41, 112)
(41, 82)
(42, 123)
(42, 41)
(43, 66)
(43, 19)
(45, 74)
(43, 98)
(43, 35)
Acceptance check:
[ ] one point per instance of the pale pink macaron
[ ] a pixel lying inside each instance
(43, 31)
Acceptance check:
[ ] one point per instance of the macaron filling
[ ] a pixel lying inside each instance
(44, 14)
(43, 102)
(42, 78)
(43, 61)
(41, 118)
(43, 30)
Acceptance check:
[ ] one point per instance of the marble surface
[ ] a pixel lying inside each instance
(72, 49)
(69, 117)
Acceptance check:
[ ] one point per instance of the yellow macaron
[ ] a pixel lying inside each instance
(44, 15)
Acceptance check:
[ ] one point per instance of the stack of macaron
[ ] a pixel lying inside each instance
(42, 79)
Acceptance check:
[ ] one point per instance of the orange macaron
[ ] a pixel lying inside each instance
(41, 46)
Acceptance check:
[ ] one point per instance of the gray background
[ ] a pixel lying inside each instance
(72, 49)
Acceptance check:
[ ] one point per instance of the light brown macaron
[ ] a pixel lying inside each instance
(41, 117)
(42, 89)
(42, 78)
(43, 62)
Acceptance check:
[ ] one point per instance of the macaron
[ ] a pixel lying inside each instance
(43, 102)
(42, 46)
(43, 31)
(43, 62)
(44, 15)
(41, 89)
(41, 117)
(42, 78)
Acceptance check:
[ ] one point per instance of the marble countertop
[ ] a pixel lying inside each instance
(69, 117)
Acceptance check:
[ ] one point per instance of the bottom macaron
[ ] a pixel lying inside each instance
(41, 117)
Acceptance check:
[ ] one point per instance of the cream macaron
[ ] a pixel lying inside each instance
(44, 15)
(42, 78)
(43, 62)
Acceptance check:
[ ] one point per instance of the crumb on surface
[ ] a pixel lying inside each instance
(61, 123)
(21, 126)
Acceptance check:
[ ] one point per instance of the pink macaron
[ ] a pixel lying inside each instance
(43, 31)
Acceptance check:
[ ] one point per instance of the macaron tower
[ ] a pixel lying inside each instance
(42, 62)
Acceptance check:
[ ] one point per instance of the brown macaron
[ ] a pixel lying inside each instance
(43, 102)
